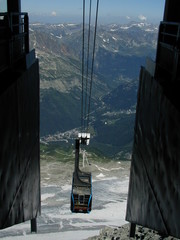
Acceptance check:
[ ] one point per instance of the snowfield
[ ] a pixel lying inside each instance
(110, 187)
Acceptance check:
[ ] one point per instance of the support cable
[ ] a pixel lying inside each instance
(82, 93)
(92, 68)
(87, 66)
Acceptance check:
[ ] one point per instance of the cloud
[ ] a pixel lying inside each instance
(53, 13)
(127, 17)
(142, 18)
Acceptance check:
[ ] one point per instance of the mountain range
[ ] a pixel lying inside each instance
(120, 51)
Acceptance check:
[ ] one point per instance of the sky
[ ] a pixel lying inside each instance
(110, 11)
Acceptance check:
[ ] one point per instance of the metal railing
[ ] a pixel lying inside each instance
(170, 34)
(168, 51)
(14, 38)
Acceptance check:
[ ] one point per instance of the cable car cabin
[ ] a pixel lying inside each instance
(81, 194)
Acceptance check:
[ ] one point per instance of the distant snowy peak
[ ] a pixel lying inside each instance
(37, 24)
(105, 32)
(63, 25)
(148, 27)
(60, 25)
(125, 39)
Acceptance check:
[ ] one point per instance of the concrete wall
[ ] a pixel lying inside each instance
(154, 190)
(19, 146)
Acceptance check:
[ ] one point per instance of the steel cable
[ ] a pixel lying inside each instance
(87, 66)
(85, 107)
(82, 96)
(92, 68)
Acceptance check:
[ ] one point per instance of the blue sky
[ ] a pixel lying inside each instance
(109, 10)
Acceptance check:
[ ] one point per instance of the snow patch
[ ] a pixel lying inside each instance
(46, 196)
(149, 30)
(61, 25)
(115, 39)
(124, 27)
(66, 187)
(106, 40)
(101, 175)
(104, 46)
(71, 24)
(59, 36)
(113, 30)
(36, 24)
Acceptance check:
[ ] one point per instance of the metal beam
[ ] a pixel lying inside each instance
(34, 225)
(132, 230)
(171, 12)
(14, 6)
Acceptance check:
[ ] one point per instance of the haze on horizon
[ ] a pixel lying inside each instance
(110, 11)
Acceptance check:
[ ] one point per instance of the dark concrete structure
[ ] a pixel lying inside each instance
(19, 121)
(154, 189)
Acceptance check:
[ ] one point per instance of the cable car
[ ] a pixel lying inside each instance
(81, 193)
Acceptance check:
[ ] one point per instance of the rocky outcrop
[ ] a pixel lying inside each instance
(122, 233)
